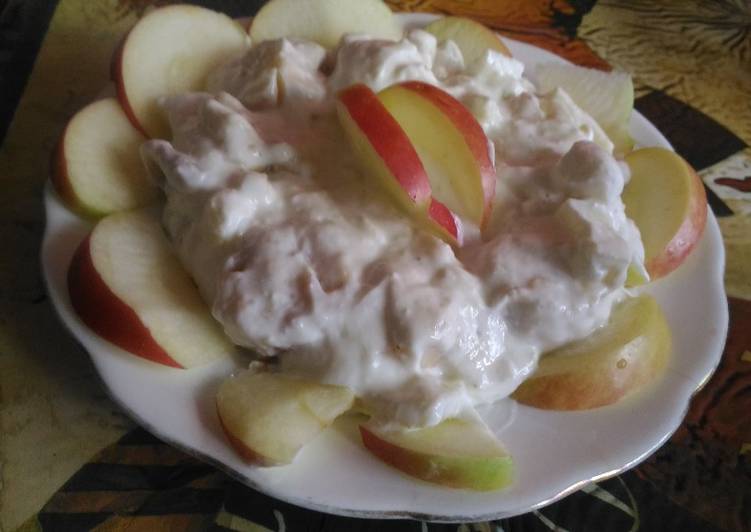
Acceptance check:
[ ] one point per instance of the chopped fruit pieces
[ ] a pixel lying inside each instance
(128, 287)
(667, 201)
(454, 453)
(268, 417)
(626, 354)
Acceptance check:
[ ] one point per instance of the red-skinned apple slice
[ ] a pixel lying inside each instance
(629, 352)
(324, 21)
(455, 453)
(96, 168)
(389, 157)
(446, 223)
(116, 58)
(129, 288)
(268, 417)
(472, 38)
(171, 50)
(666, 200)
(450, 143)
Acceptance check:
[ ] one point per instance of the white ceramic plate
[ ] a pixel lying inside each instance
(555, 453)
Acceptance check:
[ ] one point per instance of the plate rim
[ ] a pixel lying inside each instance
(61, 304)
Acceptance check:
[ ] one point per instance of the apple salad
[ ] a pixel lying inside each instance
(394, 223)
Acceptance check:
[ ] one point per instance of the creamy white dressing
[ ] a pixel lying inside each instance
(301, 258)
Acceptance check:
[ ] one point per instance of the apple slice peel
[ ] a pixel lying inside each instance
(451, 144)
(126, 285)
(96, 168)
(171, 50)
(384, 143)
(629, 352)
(112, 319)
(455, 453)
(387, 155)
(667, 201)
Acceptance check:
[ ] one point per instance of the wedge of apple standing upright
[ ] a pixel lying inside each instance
(269, 417)
(455, 453)
(128, 287)
(169, 51)
(666, 200)
(629, 352)
(96, 168)
(472, 38)
(324, 21)
(387, 155)
(450, 143)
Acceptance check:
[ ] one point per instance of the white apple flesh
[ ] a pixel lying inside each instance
(269, 417)
(454, 453)
(666, 200)
(451, 145)
(126, 284)
(169, 51)
(96, 168)
(628, 353)
(391, 161)
(324, 21)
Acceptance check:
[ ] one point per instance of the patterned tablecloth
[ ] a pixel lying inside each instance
(70, 460)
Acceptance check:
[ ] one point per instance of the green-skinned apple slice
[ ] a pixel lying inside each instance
(630, 351)
(607, 96)
(97, 168)
(388, 158)
(170, 51)
(126, 284)
(268, 417)
(666, 200)
(472, 38)
(324, 21)
(454, 453)
(450, 143)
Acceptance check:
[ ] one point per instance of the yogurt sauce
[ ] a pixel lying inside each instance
(302, 259)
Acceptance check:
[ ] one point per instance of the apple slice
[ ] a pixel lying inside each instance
(607, 96)
(666, 200)
(129, 288)
(96, 168)
(472, 38)
(268, 417)
(171, 50)
(455, 453)
(388, 156)
(450, 143)
(324, 21)
(614, 361)
(444, 223)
